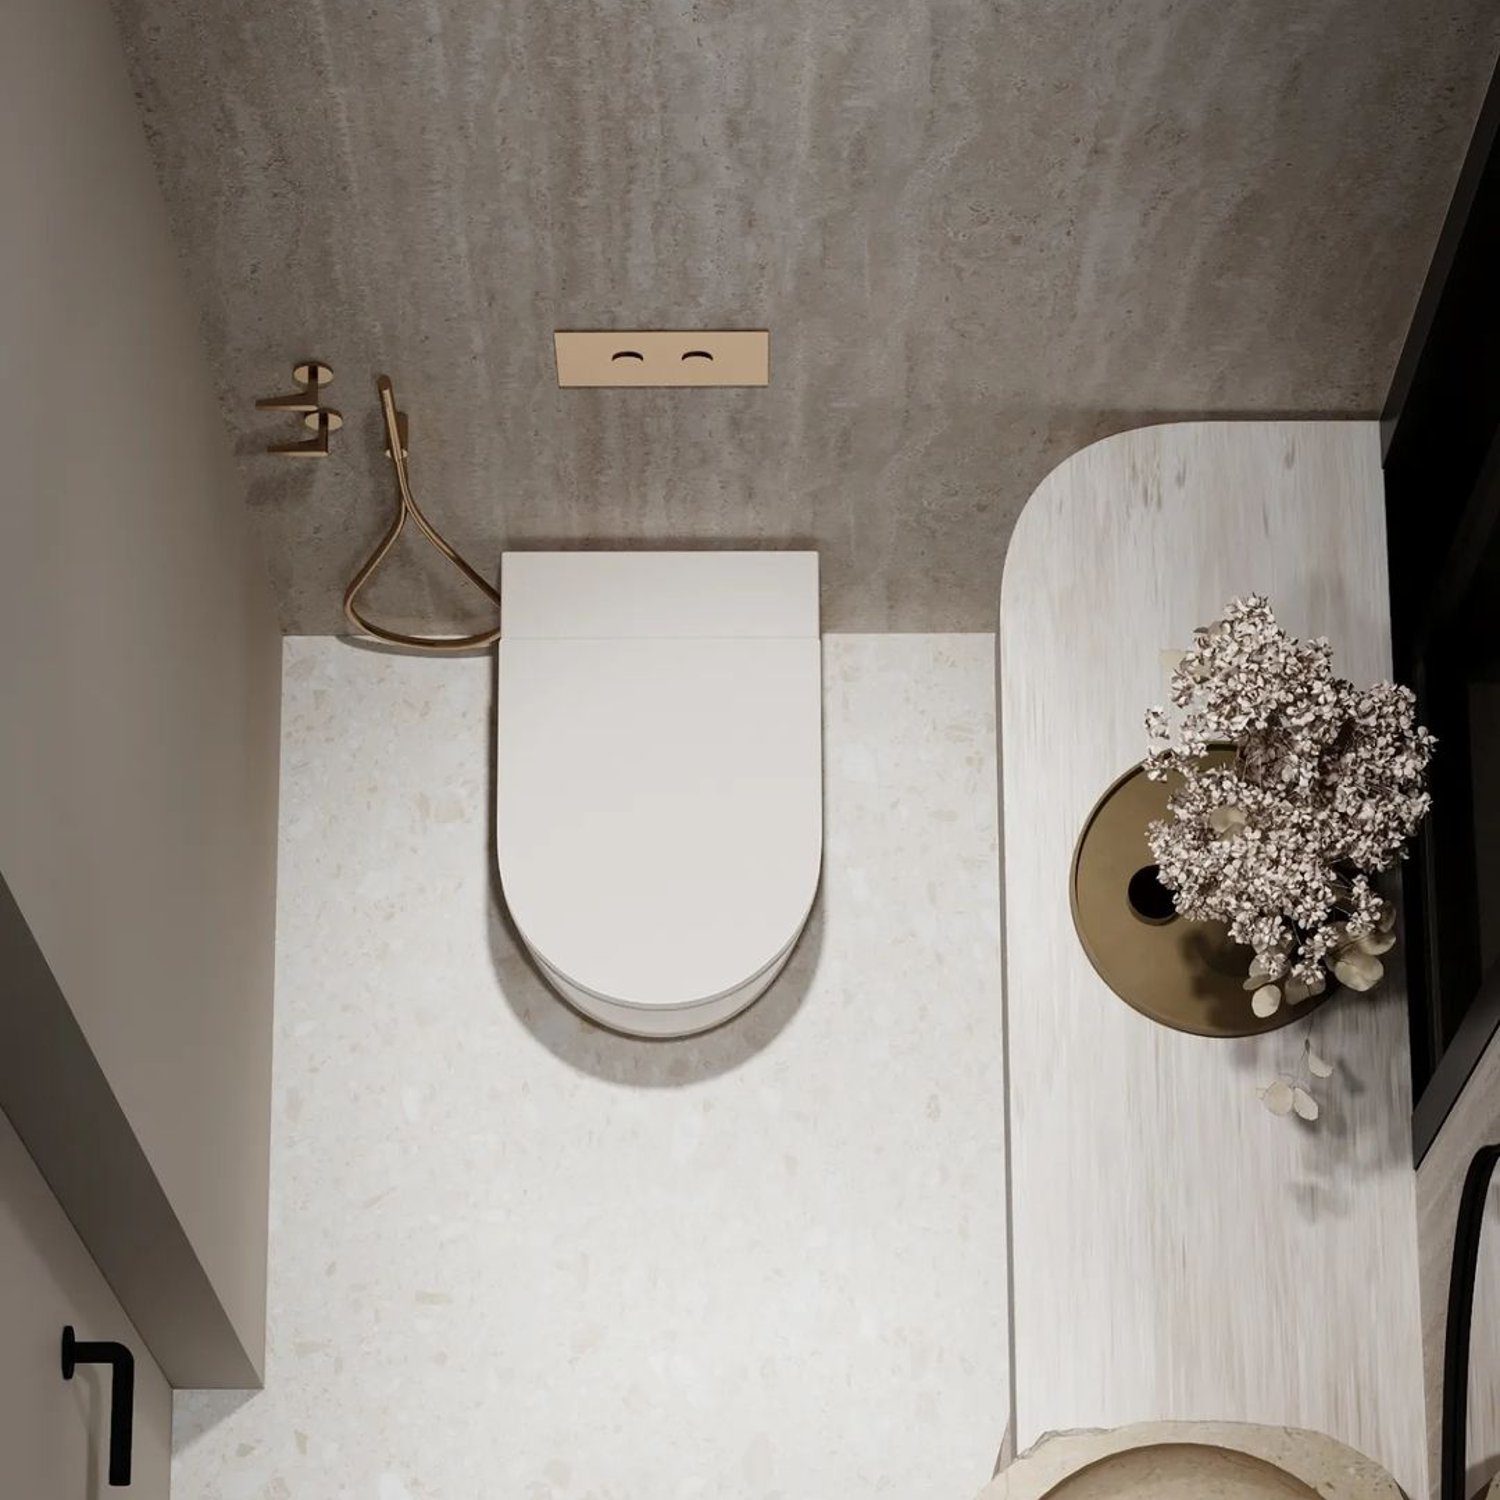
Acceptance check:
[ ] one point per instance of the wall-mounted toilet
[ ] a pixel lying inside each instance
(659, 786)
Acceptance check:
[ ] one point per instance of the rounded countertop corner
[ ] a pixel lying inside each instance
(1033, 511)
(1027, 517)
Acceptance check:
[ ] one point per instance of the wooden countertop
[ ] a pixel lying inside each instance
(1179, 1253)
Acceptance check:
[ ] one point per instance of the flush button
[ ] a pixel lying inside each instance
(735, 356)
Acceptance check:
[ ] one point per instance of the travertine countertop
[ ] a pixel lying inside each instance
(1194, 1461)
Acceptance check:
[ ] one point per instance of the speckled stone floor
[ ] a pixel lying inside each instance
(515, 1255)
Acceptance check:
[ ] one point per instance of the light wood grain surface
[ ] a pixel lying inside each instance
(1178, 1252)
(1474, 1122)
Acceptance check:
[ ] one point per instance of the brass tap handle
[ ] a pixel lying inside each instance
(312, 375)
(322, 420)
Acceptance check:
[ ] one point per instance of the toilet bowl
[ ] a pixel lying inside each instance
(659, 776)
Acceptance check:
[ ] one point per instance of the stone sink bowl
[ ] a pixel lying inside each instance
(1192, 1461)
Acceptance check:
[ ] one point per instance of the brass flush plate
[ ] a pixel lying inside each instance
(734, 356)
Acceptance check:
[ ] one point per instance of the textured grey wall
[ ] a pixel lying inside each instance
(982, 234)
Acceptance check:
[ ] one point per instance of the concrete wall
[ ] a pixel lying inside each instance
(54, 1434)
(981, 235)
(141, 670)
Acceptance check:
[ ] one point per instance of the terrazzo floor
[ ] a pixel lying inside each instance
(513, 1255)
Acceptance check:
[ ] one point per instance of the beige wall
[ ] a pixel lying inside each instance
(140, 675)
(54, 1434)
(1474, 1122)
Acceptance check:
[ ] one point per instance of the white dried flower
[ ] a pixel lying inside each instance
(1327, 786)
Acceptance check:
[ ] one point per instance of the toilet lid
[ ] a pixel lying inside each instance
(659, 808)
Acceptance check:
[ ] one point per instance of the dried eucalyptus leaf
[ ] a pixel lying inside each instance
(1277, 1097)
(1376, 942)
(1304, 1103)
(1319, 1067)
(1266, 1001)
(1358, 971)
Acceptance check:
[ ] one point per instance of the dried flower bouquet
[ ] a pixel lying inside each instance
(1327, 786)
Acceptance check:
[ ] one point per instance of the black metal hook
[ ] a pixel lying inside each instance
(121, 1361)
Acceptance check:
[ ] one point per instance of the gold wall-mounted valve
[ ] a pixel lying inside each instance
(311, 375)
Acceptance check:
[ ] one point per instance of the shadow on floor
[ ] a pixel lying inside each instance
(641, 1062)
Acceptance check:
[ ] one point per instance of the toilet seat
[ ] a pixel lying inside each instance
(659, 776)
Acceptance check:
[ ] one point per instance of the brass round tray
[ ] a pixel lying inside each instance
(1186, 975)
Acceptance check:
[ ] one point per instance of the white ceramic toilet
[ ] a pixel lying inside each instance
(659, 775)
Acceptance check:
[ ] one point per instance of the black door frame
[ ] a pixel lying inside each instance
(1441, 440)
